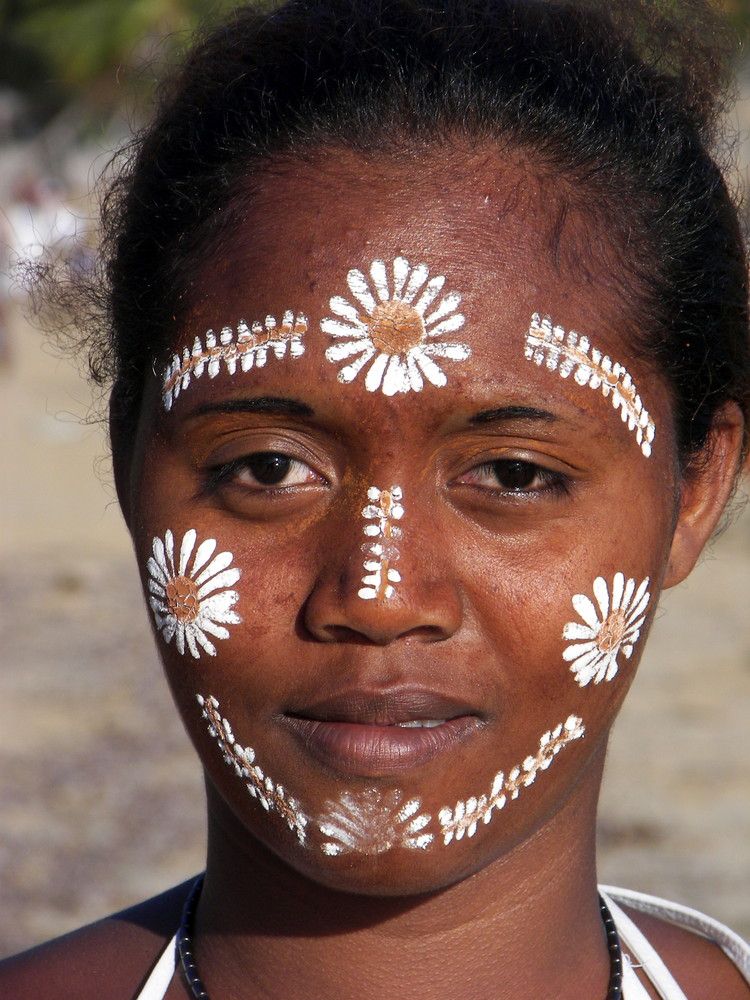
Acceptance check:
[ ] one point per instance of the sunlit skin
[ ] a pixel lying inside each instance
(520, 488)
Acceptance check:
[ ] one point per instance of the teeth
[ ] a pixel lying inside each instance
(421, 724)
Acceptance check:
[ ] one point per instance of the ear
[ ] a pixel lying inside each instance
(705, 492)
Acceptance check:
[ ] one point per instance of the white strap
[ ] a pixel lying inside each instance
(644, 953)
(632, 987)
(731, 943)
(734, 946)
(157, 984)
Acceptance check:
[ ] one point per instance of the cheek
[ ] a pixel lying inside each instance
(567, 616)
(191, 590)
(212, 603)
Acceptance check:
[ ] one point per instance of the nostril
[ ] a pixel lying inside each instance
(343, 634)
(377, 630)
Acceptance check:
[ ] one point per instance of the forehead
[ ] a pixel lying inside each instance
(507, 240)
(507, 235)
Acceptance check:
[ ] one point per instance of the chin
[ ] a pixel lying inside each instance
(397, 874)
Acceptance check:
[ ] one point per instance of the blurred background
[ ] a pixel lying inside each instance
(100, 795)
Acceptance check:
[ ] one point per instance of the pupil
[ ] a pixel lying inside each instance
(515, 475)
(268, 468)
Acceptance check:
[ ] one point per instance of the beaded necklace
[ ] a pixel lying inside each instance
(198, 990)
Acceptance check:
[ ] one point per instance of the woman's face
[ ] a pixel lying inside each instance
(399, 602)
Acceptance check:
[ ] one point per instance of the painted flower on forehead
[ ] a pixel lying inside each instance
(393, 323)
(188, 603)
(612, 629)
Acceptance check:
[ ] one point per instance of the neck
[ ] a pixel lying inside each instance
(525, 926)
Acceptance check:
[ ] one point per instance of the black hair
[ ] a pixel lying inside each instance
(618, 99)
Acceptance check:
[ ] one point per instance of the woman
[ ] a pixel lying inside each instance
(430, 371)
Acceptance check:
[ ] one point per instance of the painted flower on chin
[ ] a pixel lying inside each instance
(189, 604)
(389, 323)
(372, 822)
(612, 629)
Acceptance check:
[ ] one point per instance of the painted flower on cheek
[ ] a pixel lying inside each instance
(187, 604)
(392, 323)
(612, 629)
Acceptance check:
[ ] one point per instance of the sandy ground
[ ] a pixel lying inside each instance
(100, 794)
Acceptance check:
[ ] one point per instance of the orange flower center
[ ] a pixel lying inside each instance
(386, 502)
(396, 327)
(182, 598)
(612, 632)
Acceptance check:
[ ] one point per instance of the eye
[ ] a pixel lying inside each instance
(515, 475)
(265, 470)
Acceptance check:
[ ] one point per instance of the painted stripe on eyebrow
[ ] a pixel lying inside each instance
(248, 347)
(572, 353)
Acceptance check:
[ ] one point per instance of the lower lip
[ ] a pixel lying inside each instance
(376, 751)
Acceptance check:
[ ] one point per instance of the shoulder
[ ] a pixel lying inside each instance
(707, 959)
(107, 960)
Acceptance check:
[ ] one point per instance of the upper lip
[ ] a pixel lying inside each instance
(384, 708)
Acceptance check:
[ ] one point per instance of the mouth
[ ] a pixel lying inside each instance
(375, 735)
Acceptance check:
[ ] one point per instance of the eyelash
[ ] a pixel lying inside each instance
(224, 474)
(550, 482)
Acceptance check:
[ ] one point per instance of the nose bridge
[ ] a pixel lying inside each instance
(383, 579)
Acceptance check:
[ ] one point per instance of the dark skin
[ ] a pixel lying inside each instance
(488, 568)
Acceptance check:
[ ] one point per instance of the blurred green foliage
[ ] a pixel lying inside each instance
(738, 12)
(101, 53)
(95, 51)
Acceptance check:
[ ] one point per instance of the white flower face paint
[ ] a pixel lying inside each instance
(248, 347)
(466, 816)
(271, 796)
(392, 320)
(549, 344)
(372, 822)
(189, 603)
(380, 576)
(614, 628)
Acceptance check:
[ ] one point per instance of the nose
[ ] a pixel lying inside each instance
(385, 578)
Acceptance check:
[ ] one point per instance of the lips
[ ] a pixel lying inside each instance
(374, 735)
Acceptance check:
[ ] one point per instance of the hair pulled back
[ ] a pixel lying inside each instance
(617, 99)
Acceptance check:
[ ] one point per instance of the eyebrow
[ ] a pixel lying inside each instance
(511, 413)
(259, 404)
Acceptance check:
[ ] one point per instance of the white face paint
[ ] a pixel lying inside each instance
(466, 816)
(248, 347)
(372, 822)
(392, 323)
(549, 344)
(188, 603)
(384, 509)
(614, 628)
(272, 797)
